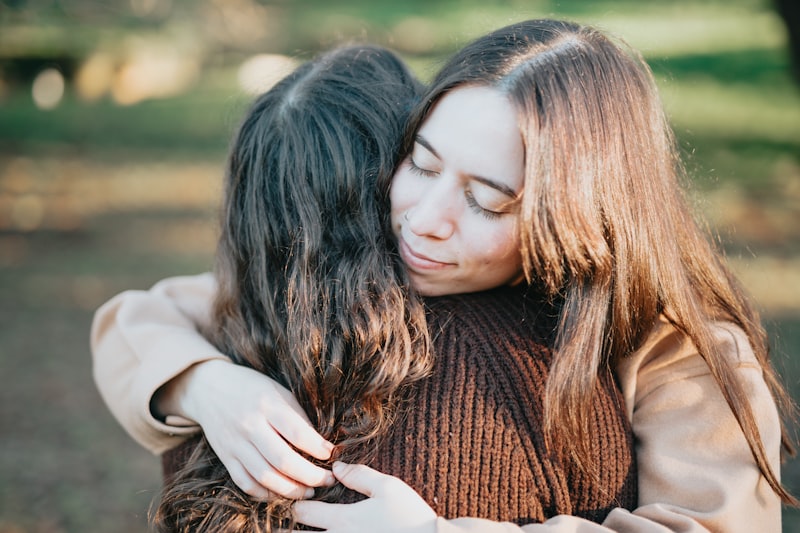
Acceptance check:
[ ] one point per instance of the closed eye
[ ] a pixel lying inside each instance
(419, 170)
(476, 207)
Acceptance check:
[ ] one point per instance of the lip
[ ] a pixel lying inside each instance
(417, 261)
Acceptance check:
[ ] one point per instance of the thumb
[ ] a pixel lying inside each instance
(359, 478)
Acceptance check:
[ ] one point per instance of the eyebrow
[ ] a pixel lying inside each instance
(496, 185)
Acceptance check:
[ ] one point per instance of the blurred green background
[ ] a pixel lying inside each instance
(114, 122)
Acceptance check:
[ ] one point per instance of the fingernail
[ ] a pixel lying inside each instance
(308, 494)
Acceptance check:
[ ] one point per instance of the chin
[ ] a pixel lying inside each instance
(428, 289)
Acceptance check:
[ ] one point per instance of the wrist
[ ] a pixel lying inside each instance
(181, 395)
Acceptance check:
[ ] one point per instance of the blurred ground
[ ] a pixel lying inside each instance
(97, 197)
(65, 465)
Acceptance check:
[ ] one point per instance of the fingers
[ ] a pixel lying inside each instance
(303, 437)
(292, 424)
(259, 478)
(361, 478)
(267, 463)
(246, 482)
(283, 458)
(317, 514)
(256, 427)
(391, 504)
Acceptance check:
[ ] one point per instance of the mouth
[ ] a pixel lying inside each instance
(417, 261)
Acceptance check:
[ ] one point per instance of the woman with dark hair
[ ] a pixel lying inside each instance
(547, 138)
(307, 293)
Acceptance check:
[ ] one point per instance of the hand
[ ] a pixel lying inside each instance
(252, 423)
(392, 505)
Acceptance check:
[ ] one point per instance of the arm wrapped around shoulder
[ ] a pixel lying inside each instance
(692, 456)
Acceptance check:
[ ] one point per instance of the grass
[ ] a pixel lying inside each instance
(97, 198)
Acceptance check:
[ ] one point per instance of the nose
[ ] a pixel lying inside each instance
(435, 215)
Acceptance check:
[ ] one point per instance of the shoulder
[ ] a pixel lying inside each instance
(668, 355)
(666, 346)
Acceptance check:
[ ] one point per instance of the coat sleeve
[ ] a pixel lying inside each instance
(696, 472)
(142, 339)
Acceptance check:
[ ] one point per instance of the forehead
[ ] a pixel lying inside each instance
(475, 131)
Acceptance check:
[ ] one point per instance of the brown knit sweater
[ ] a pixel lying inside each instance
(471, 442)
(470, 438)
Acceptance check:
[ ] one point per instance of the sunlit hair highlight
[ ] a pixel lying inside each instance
(311, 289)
(603, 220)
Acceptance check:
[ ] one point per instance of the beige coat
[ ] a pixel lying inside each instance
(696, 472)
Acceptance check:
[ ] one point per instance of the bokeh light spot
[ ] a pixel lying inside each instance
(27, 212)
(94, 78)
(48, 89)
(260, 72)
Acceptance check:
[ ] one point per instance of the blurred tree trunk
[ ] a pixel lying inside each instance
(789, 10)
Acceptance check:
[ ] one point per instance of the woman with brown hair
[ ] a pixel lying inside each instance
(551, 135)
(603, 224)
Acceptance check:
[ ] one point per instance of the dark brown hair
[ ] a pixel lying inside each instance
(311, 290)
(603, 221)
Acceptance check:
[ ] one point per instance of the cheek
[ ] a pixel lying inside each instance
(501, 246)
(399, 192)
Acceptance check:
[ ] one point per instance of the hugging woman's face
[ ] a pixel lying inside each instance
(455, 199)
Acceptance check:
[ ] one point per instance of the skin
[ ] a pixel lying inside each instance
(257, 446)
(391, 506)
(455, 198)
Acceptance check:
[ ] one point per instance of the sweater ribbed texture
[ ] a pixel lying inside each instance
(471, 440)
(469, 437)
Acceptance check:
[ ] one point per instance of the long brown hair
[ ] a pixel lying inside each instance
(311, 290)
(603, 220)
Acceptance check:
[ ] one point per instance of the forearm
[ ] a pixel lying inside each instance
(693, 460)
(619, 521)
(140, 341)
